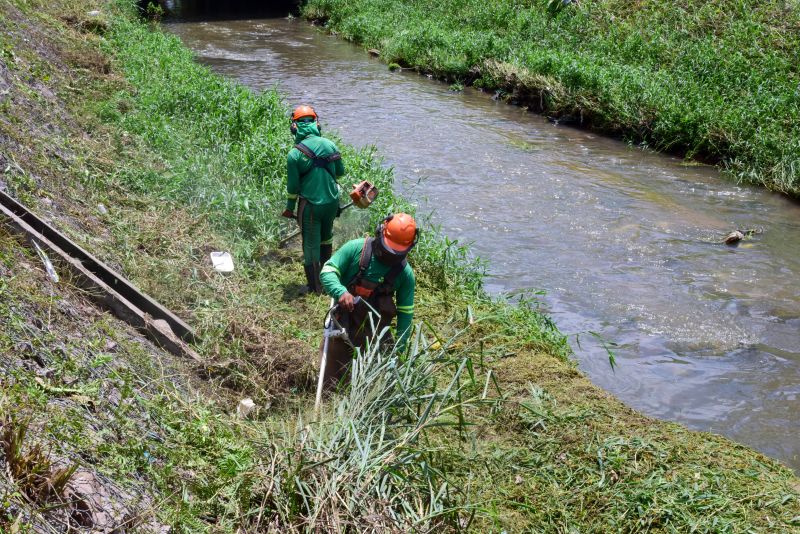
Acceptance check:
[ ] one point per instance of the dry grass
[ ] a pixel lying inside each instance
(30, 468)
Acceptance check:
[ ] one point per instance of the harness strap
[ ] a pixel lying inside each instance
(387, 286)
(319, 161)
(363, 262)
(391, 276)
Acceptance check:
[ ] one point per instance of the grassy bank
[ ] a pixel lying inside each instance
(486, 426)
(717, 80)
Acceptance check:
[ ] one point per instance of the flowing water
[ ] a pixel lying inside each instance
(624, 242)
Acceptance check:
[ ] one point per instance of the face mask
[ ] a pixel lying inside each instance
(385, 256)
(293, 126)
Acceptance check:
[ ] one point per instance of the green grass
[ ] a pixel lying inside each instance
(485, 425)
(226, 149)
(715, 80)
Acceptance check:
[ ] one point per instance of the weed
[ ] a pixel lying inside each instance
(32, 472)
(154, 11)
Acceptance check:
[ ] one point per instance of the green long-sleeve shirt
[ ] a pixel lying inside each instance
(315, 184)
(343, 267)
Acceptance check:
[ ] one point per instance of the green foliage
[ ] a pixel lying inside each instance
(715, 80)
(370, 461)
(154, 11)
(227, 146)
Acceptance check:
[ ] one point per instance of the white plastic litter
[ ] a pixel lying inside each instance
(222, 262)
(102, 209)
(48, 265)
(245, 407)
(94, 13)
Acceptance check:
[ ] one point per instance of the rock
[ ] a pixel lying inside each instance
(102, 209)
(92, 506)
(163, 326)
(733, 237)
(114, 397)
(374, 52)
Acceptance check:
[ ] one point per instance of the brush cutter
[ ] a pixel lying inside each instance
(331, 328)
(362, 195)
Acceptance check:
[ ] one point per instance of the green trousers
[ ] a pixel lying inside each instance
(317, 228)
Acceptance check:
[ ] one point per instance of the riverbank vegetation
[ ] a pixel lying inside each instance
(485, 425)
(714, 80)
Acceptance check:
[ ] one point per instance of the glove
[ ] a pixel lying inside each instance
(289, 214)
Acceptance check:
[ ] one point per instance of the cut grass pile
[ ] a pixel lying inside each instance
(485, 425)
(714, 80)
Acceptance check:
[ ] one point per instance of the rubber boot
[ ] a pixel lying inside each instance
(311, 280)
(317, 283)
(325, 252)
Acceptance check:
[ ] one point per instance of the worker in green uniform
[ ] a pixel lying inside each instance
(312, 167)
(374, 269)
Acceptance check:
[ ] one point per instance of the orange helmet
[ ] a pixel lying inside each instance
(303, 111)
(399, 232)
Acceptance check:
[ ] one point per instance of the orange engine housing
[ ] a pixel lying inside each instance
(363, 194)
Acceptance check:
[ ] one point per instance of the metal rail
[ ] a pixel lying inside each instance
(104, 285)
